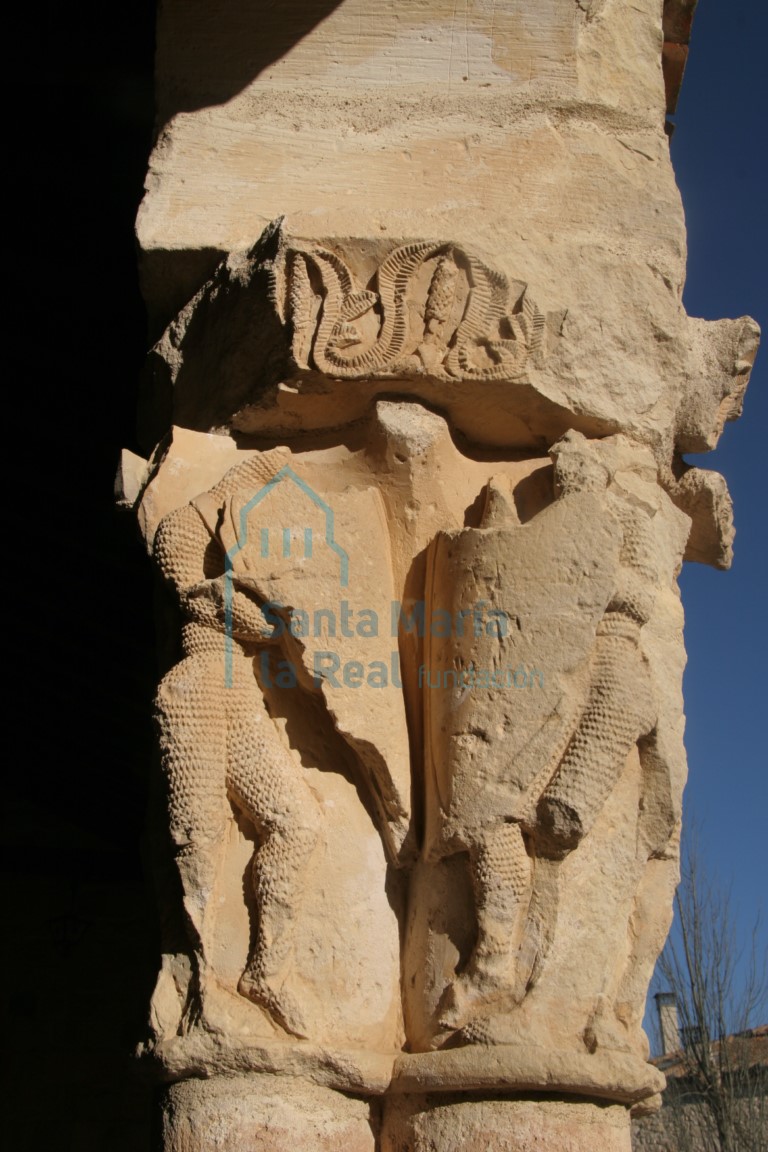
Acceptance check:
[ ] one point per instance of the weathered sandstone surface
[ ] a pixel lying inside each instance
(415, 422)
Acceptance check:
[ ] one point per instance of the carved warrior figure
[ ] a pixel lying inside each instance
(508, 789)
(218, 741)
(620, 707)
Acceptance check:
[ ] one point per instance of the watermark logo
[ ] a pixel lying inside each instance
(264, 547)
(274, 538)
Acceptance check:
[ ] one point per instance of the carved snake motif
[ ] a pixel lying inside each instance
(342, 304)
(335, 348)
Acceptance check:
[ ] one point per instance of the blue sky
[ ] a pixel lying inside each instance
(719, 155)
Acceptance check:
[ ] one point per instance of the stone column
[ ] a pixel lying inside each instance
(414, 486)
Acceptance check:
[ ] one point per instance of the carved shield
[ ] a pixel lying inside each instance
(510, 621)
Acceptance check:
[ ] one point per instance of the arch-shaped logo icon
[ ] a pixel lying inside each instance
(285, 535)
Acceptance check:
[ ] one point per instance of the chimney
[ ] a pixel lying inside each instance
(666, 1006)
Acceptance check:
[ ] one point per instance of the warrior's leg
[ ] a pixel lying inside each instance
(192, 724)
(501, 875)
(619, 710)
(658, 841)
(266, 782)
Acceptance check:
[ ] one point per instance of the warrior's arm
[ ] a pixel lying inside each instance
(185, 550)
(190, 556)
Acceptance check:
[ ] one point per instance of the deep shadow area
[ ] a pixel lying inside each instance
(80, 942)
(224, 46)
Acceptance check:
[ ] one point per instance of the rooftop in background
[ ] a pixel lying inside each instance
(754, 1041)
(678, 18)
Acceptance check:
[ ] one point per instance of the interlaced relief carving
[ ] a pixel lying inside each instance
(433, 309)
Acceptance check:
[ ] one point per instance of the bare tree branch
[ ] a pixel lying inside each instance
(716, 1094)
